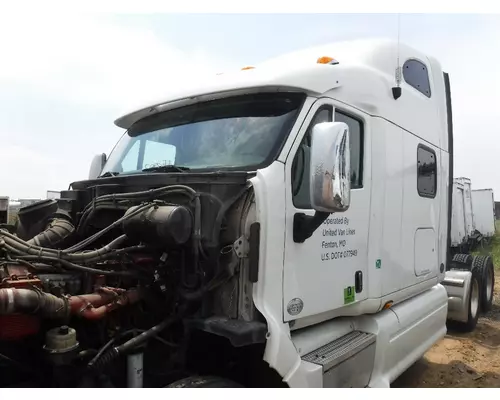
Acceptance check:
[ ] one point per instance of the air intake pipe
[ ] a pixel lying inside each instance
(45, 223)
(59, 228)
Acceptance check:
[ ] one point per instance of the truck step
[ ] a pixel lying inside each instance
(341, 349)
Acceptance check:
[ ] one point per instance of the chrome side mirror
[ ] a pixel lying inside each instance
(330, 183)
(97, 165)
(330, 180)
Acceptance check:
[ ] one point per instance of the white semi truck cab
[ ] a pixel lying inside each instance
(308, 228)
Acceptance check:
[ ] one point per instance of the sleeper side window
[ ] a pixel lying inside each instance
(300, 166)
(416, 75)
(426, 172)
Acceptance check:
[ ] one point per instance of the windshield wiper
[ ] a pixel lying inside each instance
(166, 168)
(108, 174)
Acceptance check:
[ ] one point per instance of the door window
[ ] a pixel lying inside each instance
(300, 166)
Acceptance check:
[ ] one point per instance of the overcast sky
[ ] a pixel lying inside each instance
(63, 81)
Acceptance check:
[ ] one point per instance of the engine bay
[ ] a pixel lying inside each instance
(109, 285)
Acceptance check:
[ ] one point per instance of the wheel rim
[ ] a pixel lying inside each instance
(489, 284)
(474, 299)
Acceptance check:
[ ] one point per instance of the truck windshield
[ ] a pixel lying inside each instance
(235, 133)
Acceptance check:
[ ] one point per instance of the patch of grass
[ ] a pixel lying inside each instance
(492, 248)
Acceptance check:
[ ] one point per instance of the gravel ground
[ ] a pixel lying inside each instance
(469, 360)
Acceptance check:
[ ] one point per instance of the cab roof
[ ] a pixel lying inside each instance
(360, 73)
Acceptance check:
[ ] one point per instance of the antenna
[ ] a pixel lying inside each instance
(396, 91)
(398, 66)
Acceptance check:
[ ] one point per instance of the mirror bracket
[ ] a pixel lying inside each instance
(305, 225)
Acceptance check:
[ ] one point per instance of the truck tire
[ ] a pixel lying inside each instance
(462, 262)
(486, 270)
(204, 382)
(473, 305)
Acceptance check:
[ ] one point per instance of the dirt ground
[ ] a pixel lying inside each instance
(462, 360)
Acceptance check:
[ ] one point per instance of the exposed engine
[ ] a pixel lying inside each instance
(108, 285)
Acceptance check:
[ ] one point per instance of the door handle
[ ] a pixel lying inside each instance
(358, 281)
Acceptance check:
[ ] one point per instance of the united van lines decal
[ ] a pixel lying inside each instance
(335, 244)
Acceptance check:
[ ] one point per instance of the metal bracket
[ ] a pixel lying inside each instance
(241, 247)
(399, 75)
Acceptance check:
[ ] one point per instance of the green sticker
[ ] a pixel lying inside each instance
(378, 264)
(349, 295)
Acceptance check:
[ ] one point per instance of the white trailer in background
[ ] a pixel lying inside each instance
(458, 226)
(464, 235)
(467, 201)
(483, 205)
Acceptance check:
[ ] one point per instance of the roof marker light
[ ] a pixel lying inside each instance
(327, 60)
(245, 68)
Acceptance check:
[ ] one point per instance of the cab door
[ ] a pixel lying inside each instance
(328, 271)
